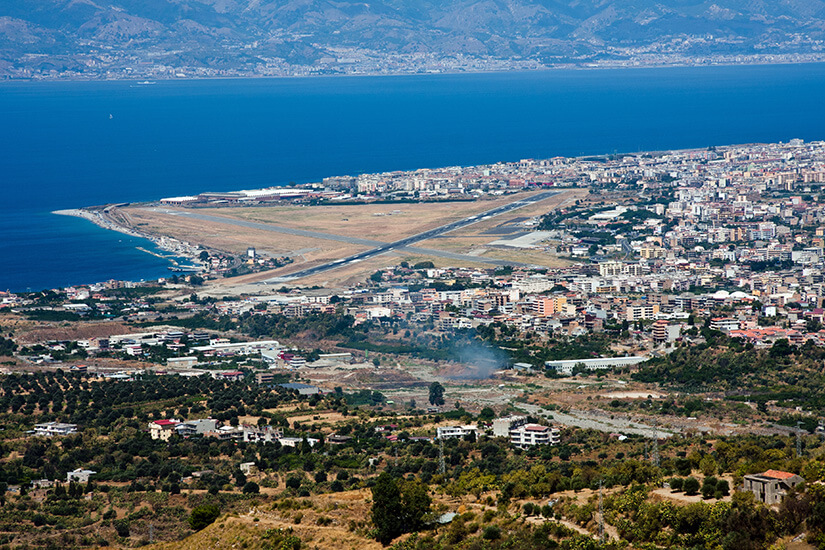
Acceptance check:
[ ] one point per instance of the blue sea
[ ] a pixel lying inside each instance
(73, 144)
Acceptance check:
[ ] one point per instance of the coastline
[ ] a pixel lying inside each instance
(99, 215)
(815, 59)
(177, 249)
(97, 218)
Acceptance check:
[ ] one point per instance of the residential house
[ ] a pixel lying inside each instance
(770, 486)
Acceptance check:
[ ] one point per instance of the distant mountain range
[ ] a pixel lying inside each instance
(52, 38)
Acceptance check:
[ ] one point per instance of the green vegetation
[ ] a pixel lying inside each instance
(398, 507)
(436, 394)
(203, 515)
(784, 373)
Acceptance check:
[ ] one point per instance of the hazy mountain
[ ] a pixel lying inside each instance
(248, 36)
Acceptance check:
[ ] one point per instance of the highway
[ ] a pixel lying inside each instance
(406, 242)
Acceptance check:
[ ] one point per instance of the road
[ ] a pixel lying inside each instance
(602, 423)
(406, 242)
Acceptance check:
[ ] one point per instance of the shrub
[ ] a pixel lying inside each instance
(251, 487)
(709, 487)
(122, 527)
(492, 532)
(676, 484)
(203, 515)
(691, 486)
(683, 466)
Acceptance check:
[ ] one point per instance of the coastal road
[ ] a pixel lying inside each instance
(406, 242)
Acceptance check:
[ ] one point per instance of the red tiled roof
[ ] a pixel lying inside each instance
(165, 422)
(778, 474)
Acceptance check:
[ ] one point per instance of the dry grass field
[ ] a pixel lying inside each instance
(321, 521)
(236, 240)
(378, 222)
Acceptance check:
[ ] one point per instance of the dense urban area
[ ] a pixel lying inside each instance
(166, 39)
(631, 358)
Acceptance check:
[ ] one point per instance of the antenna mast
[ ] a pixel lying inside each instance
(442, 466)
(601, 512)
(655, 443)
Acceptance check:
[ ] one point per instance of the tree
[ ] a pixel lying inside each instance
(691, 486)
(203, 515)
(436, 394)
(722, 488)
(486, 414)
(708, 466)
(709, 487)
(240, 478)
(122, 527)
(492, 532)
(415, 502)
(386, 508)
(676, 484)
(251, 488)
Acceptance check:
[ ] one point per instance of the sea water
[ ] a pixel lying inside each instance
(72, 144)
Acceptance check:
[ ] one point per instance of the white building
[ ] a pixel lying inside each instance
(223, 346)
(502, 426)
(163, 429)
(181, 362)
(265, 434)
(196, 427)
(529, 435)
(79, 476)
(447, 432)
(565, 366)
(50, 429)
(295, 441)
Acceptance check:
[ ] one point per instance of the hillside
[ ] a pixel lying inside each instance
(220, 37)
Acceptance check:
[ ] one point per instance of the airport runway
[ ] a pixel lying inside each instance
(331, 237)
(376, 247)
(404, 243)
(269, 227)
